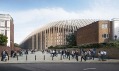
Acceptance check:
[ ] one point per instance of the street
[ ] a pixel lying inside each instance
(60, 67)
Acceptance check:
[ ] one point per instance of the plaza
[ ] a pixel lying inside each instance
(39, 57)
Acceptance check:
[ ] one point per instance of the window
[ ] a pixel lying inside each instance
(105, 35)
(2, 23)
(2, 32)
(104, 26)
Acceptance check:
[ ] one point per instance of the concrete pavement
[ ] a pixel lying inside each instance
(39, 57)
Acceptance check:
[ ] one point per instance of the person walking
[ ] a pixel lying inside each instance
(77, 54)
(12, 52)
(93, 54)
(102, 55)
(105, 55)
(83, 56)
(99, 55)
(4, 55)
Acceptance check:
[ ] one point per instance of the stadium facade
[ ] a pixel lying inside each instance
(7, 28)
(56, 32)
(53, 34)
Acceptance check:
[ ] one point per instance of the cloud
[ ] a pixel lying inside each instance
(28, 20)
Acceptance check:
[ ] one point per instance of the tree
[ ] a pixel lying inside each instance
(3, 39)
(51, 47)
(71, 39)
(16, 45)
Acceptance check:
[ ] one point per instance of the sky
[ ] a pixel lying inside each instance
(30, 15)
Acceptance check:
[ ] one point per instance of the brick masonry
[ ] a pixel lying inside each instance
(92, 33)
(111, 52)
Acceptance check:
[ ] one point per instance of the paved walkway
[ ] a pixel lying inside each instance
(46, 57)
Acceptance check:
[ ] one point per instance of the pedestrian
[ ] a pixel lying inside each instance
(83, 55)
(77, 54)
(72, 54)
(26, 52)
(99, 55)
(63, 53)
(68, 54)
(105, 55)
(93, 54)
(12, 52)
(4, 55)
(102, 55)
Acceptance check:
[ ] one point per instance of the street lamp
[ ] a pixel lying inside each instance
(115, 37)
(11, 45)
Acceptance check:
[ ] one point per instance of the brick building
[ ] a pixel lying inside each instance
(98, 32)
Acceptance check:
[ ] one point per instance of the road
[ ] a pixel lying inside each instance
(60, 67)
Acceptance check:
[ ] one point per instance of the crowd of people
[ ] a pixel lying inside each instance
(85, 54)
(65, 54)
(4, 55)
(102, 55)
(13, 54)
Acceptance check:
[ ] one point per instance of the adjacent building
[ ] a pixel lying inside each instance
(97, 32)
(101, 31)
(7, 28)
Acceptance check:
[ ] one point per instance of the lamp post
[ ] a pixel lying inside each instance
(11, 44)
(10, 48)
(115, 37)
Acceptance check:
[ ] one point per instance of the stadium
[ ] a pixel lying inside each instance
(53, 34)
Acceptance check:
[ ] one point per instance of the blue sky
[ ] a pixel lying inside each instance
(31, 4)
(29, 15)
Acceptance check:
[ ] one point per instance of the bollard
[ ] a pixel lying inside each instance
(17, 57)
(35, 57)
(52, 57)
(69, 57)
(77, 58)
(44, 57)
(61, 57)
(8, 57)
(26, 57)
